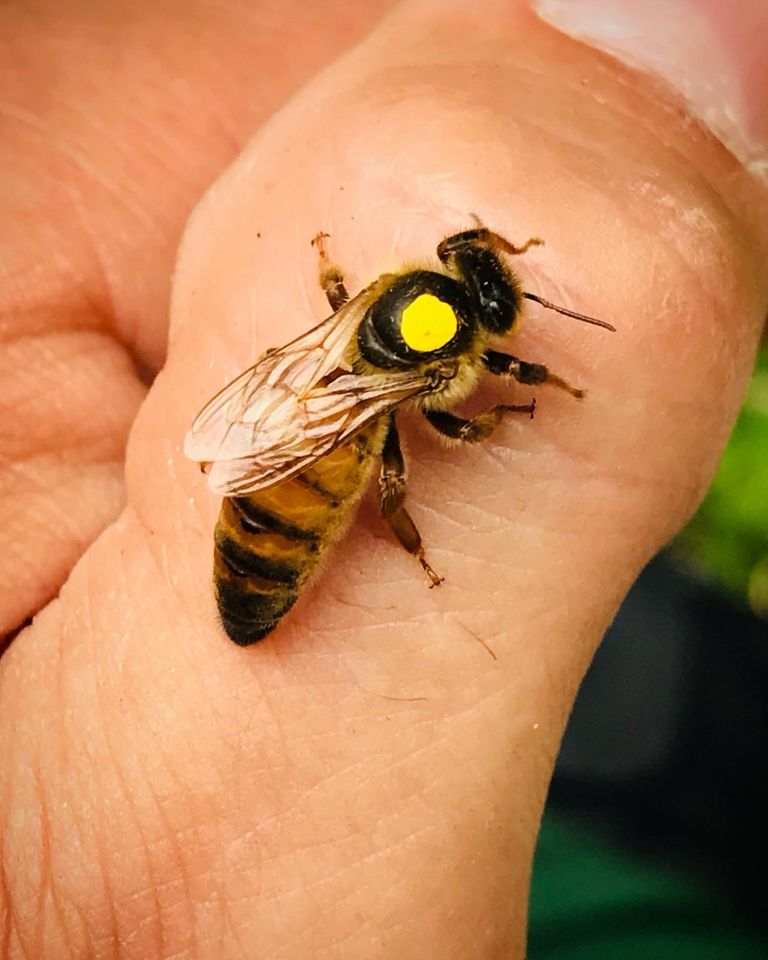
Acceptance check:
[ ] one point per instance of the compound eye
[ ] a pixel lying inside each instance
(428, 323)
(492, 310)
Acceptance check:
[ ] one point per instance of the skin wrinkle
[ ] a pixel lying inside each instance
(55, 352)
(332, 871)
(82, 932)
(44, 868)
(110, 935)
(176, 838)
(228, 923)
(313, 886)
(28, 120)
(155, 887)
(33, 510)
(69, 150)
(41, 320)
(320, 903)
(326, 780)
(385, 773)
(209, 817)
(63, 755)
(129, 201)
(46, 897)
(133, 513)
(9, 913)
(164, 147)
(105, 281)
(177, 843)
(22, 561)
(107, 899)
(130, 516)
(321, 786)
(77, 344)
(7, 920)
(98, 305)
(60, 451)
(393, 924)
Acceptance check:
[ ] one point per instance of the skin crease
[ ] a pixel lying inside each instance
(369, 782)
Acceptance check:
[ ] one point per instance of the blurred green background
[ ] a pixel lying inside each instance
(727, 540)
(654, 843)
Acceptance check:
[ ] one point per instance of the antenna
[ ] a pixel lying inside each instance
(569, 313)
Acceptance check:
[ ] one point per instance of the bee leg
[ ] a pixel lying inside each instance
(391, 497)
(494, 239)
(481, 236)
(479, 427)
(505, 365)
(331, 277)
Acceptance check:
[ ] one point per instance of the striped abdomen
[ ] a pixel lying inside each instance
(269, 542)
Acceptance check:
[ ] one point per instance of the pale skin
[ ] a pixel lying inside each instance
(368, 782)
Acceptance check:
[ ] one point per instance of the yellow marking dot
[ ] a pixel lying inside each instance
(428, 323)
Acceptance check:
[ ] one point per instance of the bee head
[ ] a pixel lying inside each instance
(490, 283)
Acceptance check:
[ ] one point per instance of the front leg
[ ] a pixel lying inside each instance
(391, 497)
(505, 365)
(330, 276)
(481, 236)
(479, 427)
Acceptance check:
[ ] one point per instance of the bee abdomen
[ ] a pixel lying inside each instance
(248, 615)
(268, 544)
(255, 566)
(260, 562)
(255, 519)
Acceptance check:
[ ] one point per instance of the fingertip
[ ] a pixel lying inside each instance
(712, 52)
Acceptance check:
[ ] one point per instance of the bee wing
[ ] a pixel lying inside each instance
(266, 399)
(277, 418)
(327, 417)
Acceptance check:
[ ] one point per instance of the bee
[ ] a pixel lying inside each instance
(291, 443)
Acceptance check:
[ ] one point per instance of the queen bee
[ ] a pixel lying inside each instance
(292, 442)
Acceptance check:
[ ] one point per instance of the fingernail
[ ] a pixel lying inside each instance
(715, 52)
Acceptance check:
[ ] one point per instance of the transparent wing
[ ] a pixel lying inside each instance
(325, 418)
(265, 398)
(279, 416)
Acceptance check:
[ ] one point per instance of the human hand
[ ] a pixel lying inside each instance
(368, 782)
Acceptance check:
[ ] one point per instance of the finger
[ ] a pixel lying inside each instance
(371, 719)
(66, 405)
(104, 151)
